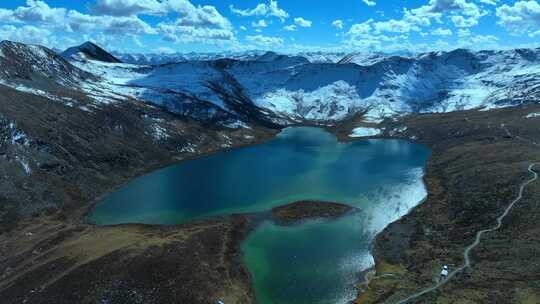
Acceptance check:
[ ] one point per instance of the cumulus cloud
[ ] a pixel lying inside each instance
(197, 24)
(369, 2)
(360, 29)
(523, 17)
(181, 21)
(205, 16)
(302, 22)
(265, 41)
(27, 34)
(39, 11)
(490, 2)
(396, 26)
(479, 42)
(121, 18)
(6, 15)
(462, 13)
(79, 22)
(338, 24)
(290, 28)
(466, 13)
(182, 34)
(364, 36)
(129, 7)
(260, 23)
(441, 32)
(464, 32)
(262, 9)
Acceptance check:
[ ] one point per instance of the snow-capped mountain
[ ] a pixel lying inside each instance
(291, 88)
(158, 59)
(364, 59)
(89, 51)
(165, 58)
(323, 57)
(273, 88)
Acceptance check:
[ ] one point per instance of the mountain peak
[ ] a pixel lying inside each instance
(268, 56)
(89, 51)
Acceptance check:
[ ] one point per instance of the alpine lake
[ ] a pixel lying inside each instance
(313, 261)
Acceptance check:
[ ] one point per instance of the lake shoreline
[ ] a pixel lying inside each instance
(473, 162)
(444, 133)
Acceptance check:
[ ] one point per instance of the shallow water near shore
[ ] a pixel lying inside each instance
(311, 262)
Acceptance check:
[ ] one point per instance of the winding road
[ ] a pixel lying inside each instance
(479, 234)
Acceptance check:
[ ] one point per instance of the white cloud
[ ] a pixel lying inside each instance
(40, 12)
(462, 13)
(441, 32)
(490, 2)
(175, 32)
(521, 18)
(119, 18)
(464, 32)
(26, 34)
(205, 16)
(265, 41)
(129, 7)
(461, 21)
(479, 42)
(396, 26)
(302, 22)
(467, 13)
(260, 23)
(79, 22)
(262, 9)
(338, 24)
(290, 28)
(369, 2)
(360, 29)
(6, 15)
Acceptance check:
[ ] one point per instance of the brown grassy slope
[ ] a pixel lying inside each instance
(76, 156)
(474, 172)
(54, 262)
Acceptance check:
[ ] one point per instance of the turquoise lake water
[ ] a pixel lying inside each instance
(312, 262)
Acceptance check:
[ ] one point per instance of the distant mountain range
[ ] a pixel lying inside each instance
(313, 57)
(270, 88)
(286, 89)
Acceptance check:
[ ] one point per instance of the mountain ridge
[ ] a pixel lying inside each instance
(282, 89)
(89, 50)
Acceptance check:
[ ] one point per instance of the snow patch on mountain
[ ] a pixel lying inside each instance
(332, 101)
(16, 136)
(158, 132)
(22, 88)
(18, 145)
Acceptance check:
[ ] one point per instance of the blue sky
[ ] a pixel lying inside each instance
(284, 26)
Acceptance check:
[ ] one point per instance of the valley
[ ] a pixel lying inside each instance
(70, 139)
